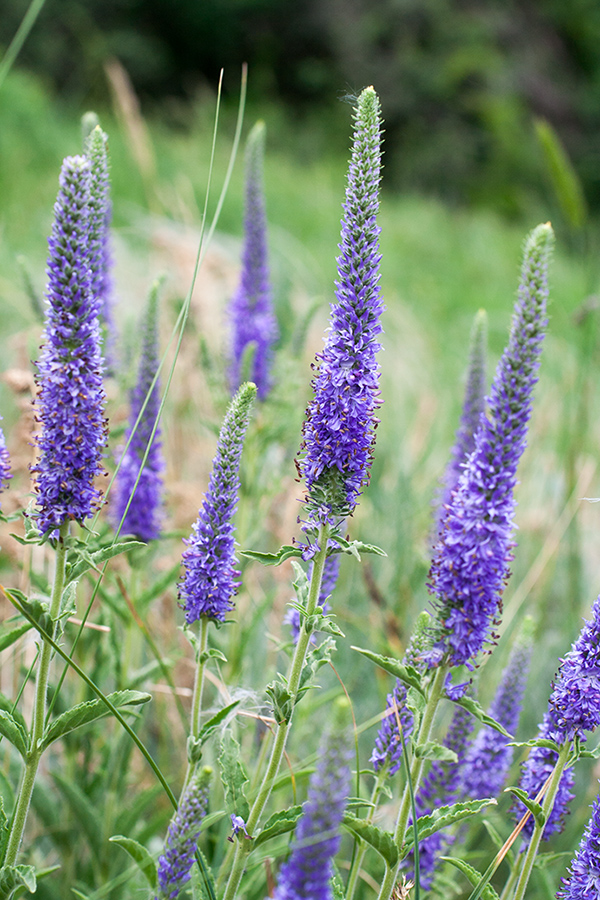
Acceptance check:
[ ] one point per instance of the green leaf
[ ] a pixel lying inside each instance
(8, 706)
(4, 829)
(337, 888)
(203, 882)
(476, 710)
(406, 674)
(444, 816)
(279, 823)
(211, 653)
(498, 841)
(536, 742)
(139, 855)
(13, 731)
(488, 892)
(84, 713)
(534, 808)
(433, 750)
(9, 637)
(233, 776)
(318, 657)
(278, 693)
(543, 860)
(195, 744)
(13, 878)
(94, 560)
(288, 551)
(301, 584)
(355, 548)
(380, 840)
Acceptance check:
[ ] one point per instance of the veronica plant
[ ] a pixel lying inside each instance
(138, 498)
(254, 328)
(583, 881)
(5, 473)
(176, 861)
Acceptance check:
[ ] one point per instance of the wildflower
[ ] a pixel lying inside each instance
(473, 406)
(138, 508)
(583, 882)
(252, 318)
(574, 707)
(441, 787)
(176, 861)
(489, 757)
(388, 743)
(339, 431)
(5, 474)
(209, 581)
(308, 870)
(100, 218)
(471, 559)
(69, 403)
(238, 824)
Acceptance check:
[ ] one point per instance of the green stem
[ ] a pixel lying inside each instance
(39, 710)
(510, 882)
(357, 861)
(244, 847)
(416, 769)
(538, 831)
(198, 690)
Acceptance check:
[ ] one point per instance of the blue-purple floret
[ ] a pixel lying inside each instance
(473, 406)
(573, 709)
(253, 323)
(142, 516)
(177, 859)
(339, 431)
(441, 787)
(5, 474)
(306, 874)
(210, 581)
(489, 757)
(583, 881)
(69, 406)
(471, 560)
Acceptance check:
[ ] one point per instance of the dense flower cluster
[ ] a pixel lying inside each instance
(4, 462)
(307, 873)
(177, 859)
(339, 431)
(489, 756)
(253, 323)
(471, 559)
(473, 406)
(137, 502)
(583, 882)
(71, 395)
(441, 787)
(209, 581)
(573, 708)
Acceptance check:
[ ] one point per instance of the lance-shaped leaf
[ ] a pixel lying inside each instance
(13, 731)
(9, 636)
(140, 856)
(534, 808)
(406, 674)
(380, 840)
(94, 560)
(14, 878)
(233, 776)
(433, 750)
(288, 551)
(444, 816)
(279, 823)
(87, 712)
(354, 548)
(488, 892)
(476, 710)
(195, 744)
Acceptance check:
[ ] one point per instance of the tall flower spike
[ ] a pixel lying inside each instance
(71, 396)
(583, 882)
(339, 430)
(175, 863)
(489, 756)
(5, 474)
(473, 406)
(573, 708)
(307, 873)
(471, 559)
(142, 517)
(441, 787)
(209, 581)
(100, 219)
(253, 323)
(388, 743)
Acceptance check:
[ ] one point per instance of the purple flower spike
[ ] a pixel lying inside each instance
(174, 865)
(307, 873)
(440, 788)
(471, 560)
(573, 708)
(489, 757)
(339, 431)
(583, 882)
(209, 582)
(253, 323)
(142, 517)
(473, 406)
(5, 474)
(70, 398)
(100, 219)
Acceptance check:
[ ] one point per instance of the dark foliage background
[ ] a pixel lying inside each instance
(461, 81)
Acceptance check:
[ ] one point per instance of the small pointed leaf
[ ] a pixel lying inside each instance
(380, 840)
(233, 776)
(279, 823)
(478, 711)
(488, 892)
(534, 808)
(84, 713)
(433, 750)
(139, 855)
(9, 637)
(13, 878)
(13, 731)
(406, 674)
(444, 816)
